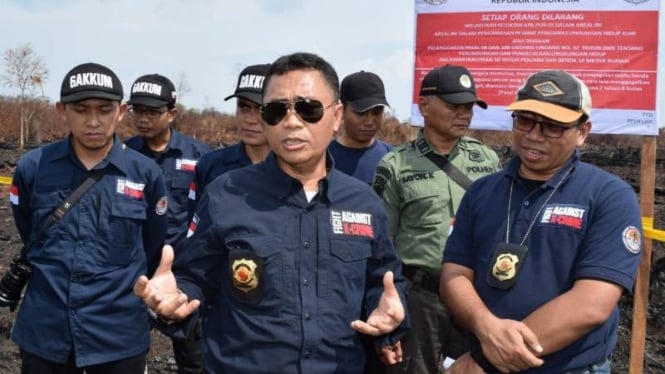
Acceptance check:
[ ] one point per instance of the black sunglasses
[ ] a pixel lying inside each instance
(308, 110)
(548, 129)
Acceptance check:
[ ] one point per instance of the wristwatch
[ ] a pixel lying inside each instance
(159, 319)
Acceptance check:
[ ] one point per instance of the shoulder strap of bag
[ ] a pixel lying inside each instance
(450, 169)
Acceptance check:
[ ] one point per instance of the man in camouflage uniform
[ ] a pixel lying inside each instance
(421, 199)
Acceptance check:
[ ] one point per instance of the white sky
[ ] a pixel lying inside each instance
(211, 41)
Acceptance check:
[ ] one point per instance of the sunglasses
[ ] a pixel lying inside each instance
(547, 128)
(310, 111)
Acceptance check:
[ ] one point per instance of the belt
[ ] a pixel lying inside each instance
(421, 277)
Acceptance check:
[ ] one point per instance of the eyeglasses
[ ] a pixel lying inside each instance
(308, 110)
(151, 113)
(548, 129)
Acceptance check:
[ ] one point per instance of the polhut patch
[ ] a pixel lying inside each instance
(351, 223)
(632, 239)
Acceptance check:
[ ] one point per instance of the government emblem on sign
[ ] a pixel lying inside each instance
(636, 1)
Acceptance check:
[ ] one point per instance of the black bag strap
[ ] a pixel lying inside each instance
(66, 205)
(442, 162)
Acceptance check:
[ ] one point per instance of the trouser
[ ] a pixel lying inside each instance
(433, 335)
(32, 364)
(602, 367)
(188, 353)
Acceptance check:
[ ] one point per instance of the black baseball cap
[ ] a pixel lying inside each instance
(250, 83)
(454, 84)
(90, 81)
(363, 91)
(554, 94)
(153, 90)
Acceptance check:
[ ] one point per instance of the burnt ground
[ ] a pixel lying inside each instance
(622, 162)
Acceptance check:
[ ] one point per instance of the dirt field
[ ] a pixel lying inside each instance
(622, 162)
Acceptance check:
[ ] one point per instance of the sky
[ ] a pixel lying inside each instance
(210, 41)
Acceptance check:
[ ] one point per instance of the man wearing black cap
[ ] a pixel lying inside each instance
(356, 150)
(153, 111)
(79, 312)
(421, 184)
(253, 146)
(538, 284)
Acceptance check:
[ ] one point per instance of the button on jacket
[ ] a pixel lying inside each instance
(177, 162)
(80, 294)
(288, 276)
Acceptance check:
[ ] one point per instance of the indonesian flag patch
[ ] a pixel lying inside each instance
(13, 194)
(192, 191)
(351, 223)
(185, 164)
(192, 225)
(129, 188)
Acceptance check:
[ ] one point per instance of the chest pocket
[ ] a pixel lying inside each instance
(254, 275)
(43, 204)
(181, 179)
(424, 203)
(123, 231)
(348, 271)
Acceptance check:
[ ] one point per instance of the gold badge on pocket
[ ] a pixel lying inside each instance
(245, 277)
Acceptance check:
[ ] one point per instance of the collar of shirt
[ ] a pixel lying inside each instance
(423, 147)
(115, 156)
(236, 154)
(284, 185)
(514, 166)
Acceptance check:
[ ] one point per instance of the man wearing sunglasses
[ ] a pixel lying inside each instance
(153, 112)
(253, 146)
(542, 251)
(356, 150)
(288, 249)
(421, 199)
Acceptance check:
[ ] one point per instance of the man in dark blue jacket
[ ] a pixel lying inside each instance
(153, 111)
(300, 250)
(79, 312)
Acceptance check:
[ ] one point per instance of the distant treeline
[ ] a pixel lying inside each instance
(218, 129)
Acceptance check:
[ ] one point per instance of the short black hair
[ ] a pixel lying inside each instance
(304, 61)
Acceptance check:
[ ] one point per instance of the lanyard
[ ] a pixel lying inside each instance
(533, 221)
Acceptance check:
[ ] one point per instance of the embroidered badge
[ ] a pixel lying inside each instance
(548, 89)
(129, 188)
(504, 267)
(476, 156)
(161, 206)
(632, 239)
(564, 215)
(465, 81)
(245, 277)
(185, 164)
(381, 179)
(351, 223)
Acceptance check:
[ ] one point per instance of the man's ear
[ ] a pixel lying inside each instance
(585, 130)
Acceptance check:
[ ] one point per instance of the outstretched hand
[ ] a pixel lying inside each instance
(388, 314)
(161, 293)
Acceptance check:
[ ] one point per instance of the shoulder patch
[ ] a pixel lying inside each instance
(161, 206)
(476, 156)
(632, 239)
(381, 179)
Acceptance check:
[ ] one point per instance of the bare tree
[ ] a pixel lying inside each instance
(24, 71)
(182, 87)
